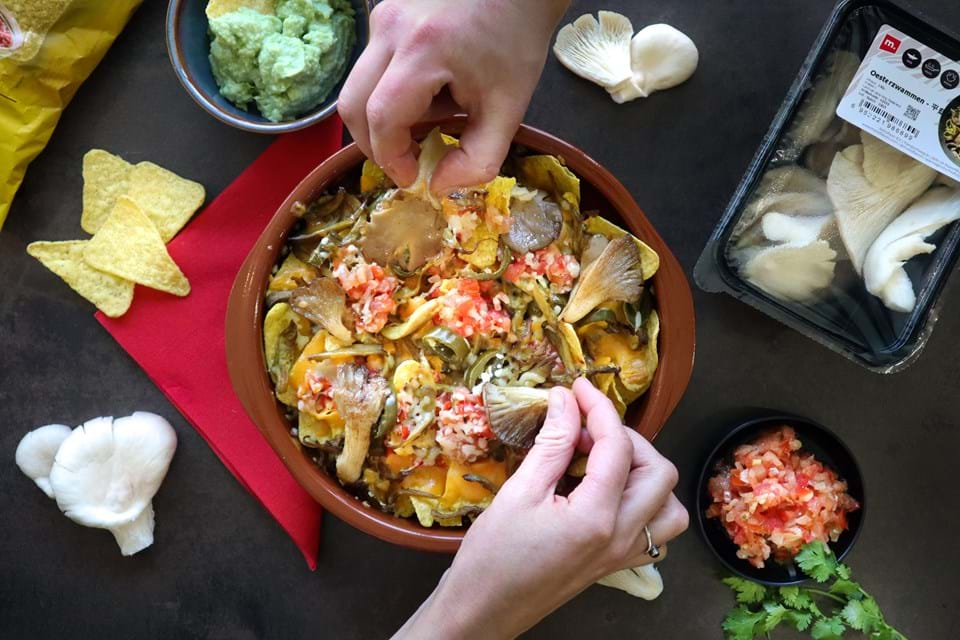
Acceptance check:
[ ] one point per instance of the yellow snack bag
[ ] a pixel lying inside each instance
(47, 49)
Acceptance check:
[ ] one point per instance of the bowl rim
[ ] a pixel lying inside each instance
(244, 342)
(773, 418)
(206, 102)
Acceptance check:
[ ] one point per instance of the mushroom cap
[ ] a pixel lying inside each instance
(883, 271)
(819, 108)
(597, 50)
(791, 272)
(780, 227)
(662, 57)
(107, 471)
(36, 452)
(643, 582)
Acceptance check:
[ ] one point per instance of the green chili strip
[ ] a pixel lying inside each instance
(450, 346)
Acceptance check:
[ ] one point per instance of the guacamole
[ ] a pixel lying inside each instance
(285, 62)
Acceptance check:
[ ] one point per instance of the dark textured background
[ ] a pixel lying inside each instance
(221, 568)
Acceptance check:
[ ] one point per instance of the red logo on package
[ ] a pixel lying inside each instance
(890, 44)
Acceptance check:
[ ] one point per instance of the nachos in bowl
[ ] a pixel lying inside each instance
(413, 337)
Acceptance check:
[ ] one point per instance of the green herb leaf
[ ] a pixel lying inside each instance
(846, 588)
(827, 629)
(843, 571)
(862, 615)
(799, 619)
(747, 592)
(817, 561)
(742, 624)
(775, 615)
(797, 599)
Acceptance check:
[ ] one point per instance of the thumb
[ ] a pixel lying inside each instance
(553, 449)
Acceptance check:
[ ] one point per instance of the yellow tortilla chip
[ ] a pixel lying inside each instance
(372, 177)
(547, 173)
(481, 249)
(219, 7)
(110, 294)
(649, 260)
(499, 191)
(129, 246)
(105, 178)
(167, 199)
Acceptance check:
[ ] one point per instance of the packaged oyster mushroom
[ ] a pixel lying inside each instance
(845, 224)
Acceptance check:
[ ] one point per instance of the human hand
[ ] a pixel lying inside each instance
(429, 59)
(533, 550)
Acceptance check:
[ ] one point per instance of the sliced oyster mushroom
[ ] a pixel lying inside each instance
(323, 302)
(534, 224)
(615, 275)
(404, 230)
(359, 396)
(515, 413)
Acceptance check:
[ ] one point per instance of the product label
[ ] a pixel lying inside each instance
(908, 95)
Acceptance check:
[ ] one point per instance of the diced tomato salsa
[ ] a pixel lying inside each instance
(776, 498)
(470, 308)
(463, 428)
(560, 270)
(368, 287)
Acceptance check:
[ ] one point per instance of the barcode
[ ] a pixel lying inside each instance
(912, 113)
(891, 119)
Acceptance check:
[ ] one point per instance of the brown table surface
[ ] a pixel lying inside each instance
(222, 568)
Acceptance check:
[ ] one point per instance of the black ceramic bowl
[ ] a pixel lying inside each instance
(816, 439)
(947, 112)
(188, 45)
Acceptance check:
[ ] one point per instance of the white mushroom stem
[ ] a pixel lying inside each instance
(137, 535)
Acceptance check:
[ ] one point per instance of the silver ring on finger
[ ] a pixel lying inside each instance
(652, 549)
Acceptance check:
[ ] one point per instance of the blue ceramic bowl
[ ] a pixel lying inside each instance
(188, 45)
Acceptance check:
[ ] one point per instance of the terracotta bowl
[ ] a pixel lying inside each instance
(244, 339)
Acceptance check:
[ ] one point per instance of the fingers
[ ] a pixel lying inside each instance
(352, 102)
(547, 461)
(670, 521)
(483, 146)
(401, 98)
(610, 457)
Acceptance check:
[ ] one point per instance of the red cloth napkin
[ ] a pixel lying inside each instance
(179, 341)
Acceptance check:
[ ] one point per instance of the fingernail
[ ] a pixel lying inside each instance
(557, 400)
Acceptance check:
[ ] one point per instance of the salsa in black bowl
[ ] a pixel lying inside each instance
(826, 448)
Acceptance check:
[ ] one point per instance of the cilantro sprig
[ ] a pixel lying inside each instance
(825, 612)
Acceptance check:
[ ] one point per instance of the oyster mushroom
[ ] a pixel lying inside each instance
(790, 190)
(819, 108)
(406, 225)
(359, 397)
(616, 274)
(515, 413)
(779, 227)
(36, 452)
(657, 57)
(904, 238)
(534, 224)
(870, 185)
(107, 471)
(643, 582)
(662, 57)
(598, 50)
(790, 272)
(324, 303)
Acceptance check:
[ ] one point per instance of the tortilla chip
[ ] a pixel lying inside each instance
(110, 294)
(105, 178)
(482, 248)
(499, 192)
(129, 246)
(548, 173)
(649, 260)
(167, 199)
(219, 7)
(372, 177)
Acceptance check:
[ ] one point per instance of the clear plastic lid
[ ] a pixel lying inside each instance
(845, 225)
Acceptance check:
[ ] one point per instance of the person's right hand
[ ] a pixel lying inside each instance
(429, 59)
(533, 550)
